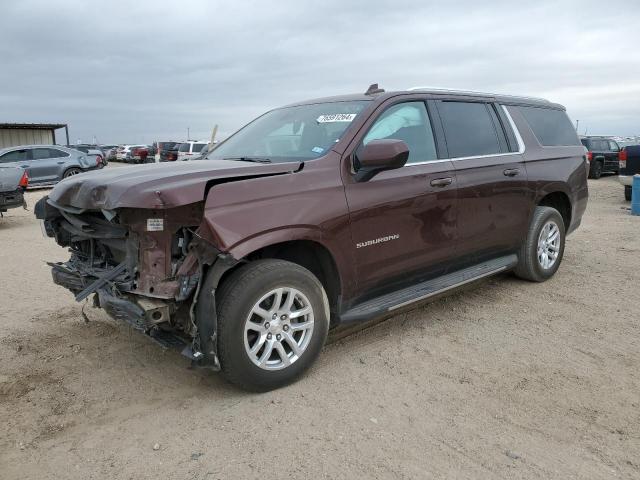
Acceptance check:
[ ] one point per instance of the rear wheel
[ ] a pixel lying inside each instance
(595, 171)
(273, 319)
(541, 253)
(627, 193)
(71, 172)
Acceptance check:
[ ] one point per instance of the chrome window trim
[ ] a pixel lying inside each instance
(516, 132)
(521, 146)
(455, 159)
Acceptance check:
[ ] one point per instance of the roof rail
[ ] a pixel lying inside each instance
(473, 92)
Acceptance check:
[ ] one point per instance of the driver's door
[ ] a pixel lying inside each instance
(403, 221)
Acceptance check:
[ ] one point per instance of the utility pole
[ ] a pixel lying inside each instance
(577, 123)
(188, 135)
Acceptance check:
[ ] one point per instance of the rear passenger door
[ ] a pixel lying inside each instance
(494, 201)
(44, 164)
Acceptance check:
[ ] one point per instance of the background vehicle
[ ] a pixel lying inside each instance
(629, 166)
(163, 148)
(48, 164)
(171, 155)
(123, 154)
(141, 154)
(204, 152)
(323, 214)
(109, 152)
(93, 152)
(190, 149)
(603, 155)
(13, 182)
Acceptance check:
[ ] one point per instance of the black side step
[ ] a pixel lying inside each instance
(401, 298)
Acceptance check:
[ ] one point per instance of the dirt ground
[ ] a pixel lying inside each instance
(506, 380)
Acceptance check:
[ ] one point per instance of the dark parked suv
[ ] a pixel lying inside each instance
(322, 214)
(603, 155)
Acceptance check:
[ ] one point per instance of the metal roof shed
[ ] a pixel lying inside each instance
(12, 134)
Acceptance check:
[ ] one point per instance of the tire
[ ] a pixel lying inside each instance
(530, 267)
(70, 172)
(595, 171)
(627, 193)
(240, 293)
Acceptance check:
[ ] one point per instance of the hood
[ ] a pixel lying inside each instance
(161, 185)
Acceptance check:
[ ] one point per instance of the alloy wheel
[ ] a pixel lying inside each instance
(548, 245)
(278, 328)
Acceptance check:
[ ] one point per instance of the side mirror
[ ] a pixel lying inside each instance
(379, 155)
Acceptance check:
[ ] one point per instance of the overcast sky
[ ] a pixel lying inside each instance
(146, 70)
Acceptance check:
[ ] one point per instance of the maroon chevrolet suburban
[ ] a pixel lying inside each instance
(318, 215)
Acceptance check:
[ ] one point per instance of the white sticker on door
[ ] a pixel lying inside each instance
(155, 224)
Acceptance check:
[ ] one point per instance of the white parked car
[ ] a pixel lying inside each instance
(190, 149)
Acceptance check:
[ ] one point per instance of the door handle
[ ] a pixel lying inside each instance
(511, 172)
(60, 163)
(441, 182)
(24, 166)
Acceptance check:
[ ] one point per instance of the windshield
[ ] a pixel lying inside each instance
(291, 134)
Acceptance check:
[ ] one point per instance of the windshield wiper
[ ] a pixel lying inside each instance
(249, 159)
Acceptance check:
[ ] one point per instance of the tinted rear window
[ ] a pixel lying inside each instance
(197, 147)
(469, 129)
(184, 147)
(40, 153)
(551, 127)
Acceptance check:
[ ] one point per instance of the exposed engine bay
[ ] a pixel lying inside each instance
(142, 266)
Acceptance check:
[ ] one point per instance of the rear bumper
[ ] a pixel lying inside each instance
(11, 200)
(626, 180)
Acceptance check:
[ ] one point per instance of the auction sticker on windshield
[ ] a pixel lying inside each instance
(336, 117)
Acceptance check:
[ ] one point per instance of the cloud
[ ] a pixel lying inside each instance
(147, 70)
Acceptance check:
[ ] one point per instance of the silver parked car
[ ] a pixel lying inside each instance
(47, 164)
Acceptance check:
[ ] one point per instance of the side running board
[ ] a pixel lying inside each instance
(401, 298)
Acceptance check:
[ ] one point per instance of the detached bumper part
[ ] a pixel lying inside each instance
(141, 313)
(122, 309)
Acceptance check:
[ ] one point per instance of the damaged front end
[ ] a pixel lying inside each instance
(143, 266)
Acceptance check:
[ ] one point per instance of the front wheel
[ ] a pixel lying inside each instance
(541, 253)
(273, 319)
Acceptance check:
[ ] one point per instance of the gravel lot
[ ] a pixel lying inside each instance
(506, 380)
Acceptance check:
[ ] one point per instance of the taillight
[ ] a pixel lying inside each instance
(98, 159)
(589, 156)
(622, 157)
(24, 181)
